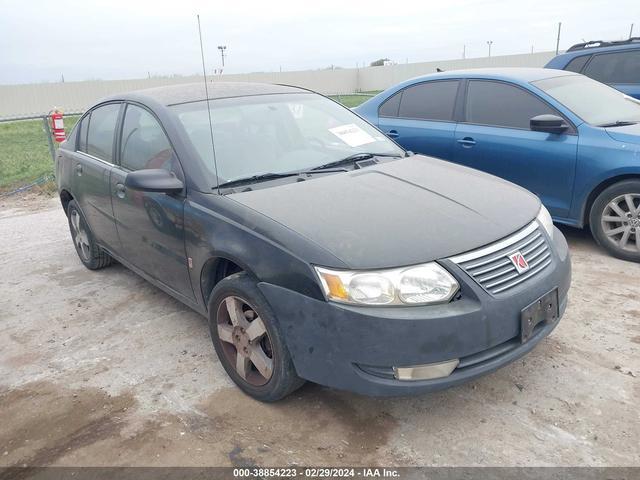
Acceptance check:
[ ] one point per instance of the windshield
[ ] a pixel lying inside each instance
(594, 102)
(277, 134)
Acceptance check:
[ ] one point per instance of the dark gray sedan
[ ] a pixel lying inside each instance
(315, 246)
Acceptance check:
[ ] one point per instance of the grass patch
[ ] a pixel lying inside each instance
(351, 101)
(24, 151)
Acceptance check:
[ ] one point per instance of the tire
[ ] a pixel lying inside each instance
(233, 333)
(90, 253)
(620, 238)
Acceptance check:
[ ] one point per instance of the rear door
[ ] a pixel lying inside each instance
(495, 137)
(92, 165)
(421, 117)
(621, 70)
(150, 225)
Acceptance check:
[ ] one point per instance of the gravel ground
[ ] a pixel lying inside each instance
(101, 368)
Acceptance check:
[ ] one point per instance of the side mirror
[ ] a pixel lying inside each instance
(548, 123)
(153, 180)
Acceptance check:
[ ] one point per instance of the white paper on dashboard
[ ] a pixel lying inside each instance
(352, 135)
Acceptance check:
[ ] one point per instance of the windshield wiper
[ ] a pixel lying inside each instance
(617, 123)
(262, 177)
(353, 158)
(257, 178)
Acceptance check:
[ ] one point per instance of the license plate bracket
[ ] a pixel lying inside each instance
(545, 309)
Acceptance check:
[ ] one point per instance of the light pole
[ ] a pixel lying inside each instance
(222, 49)
(489, 42)
(558, 39)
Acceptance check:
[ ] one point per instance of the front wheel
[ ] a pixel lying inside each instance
(247, 340)
(615, 220)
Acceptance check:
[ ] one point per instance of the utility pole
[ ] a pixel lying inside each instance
(558, 39)
(489, 42)
(222, 49)
(531, 49)
(464, 51)
(631, 31)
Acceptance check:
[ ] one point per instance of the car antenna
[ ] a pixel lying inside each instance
(206, 92)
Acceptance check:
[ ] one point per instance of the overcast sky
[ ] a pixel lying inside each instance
(114, 39)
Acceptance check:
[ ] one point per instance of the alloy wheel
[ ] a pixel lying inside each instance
(245, 340)
(621, 222)
(80, 237)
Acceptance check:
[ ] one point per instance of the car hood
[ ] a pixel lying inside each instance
(403, 212)
(626, 134)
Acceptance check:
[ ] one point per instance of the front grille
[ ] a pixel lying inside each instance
(491, 267)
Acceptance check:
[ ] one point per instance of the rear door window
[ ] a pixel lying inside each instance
(429, 101)
(101, 130)
(577, 63)
(619, 67)
(82, 133)
(502, 105)
(391, 106)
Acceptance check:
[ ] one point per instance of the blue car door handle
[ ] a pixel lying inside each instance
(467, 142)
(393, 134)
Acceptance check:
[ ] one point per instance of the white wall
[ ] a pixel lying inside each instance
(380, 78)
(37, 99)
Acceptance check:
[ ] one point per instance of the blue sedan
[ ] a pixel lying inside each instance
(571, 140)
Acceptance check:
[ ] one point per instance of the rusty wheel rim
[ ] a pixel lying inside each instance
(245, 340)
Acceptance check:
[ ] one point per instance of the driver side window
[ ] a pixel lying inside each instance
(144, 144)
(502, 105)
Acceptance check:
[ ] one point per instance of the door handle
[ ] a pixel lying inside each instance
(120, 190)
(78, 169)
(467, 142)
(393, 134)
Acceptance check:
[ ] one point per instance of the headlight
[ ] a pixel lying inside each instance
(417, 285)
(544, 219)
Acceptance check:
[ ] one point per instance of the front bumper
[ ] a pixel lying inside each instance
(356, 348)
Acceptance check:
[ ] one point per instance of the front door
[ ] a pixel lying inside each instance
(150, 225)
(495, 137)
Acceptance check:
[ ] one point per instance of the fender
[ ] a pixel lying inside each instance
(584, 199)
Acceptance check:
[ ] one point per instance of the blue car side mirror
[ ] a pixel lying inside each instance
(548, 123)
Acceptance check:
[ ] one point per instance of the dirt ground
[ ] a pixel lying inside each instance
(101, 368)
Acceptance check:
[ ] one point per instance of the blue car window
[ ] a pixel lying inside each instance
(618, 67)
(577, 63)
(429, 101)
(391, 106)
(502, 105)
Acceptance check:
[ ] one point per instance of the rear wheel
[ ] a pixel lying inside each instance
(615, 220)
(91, 255)
(247, 340)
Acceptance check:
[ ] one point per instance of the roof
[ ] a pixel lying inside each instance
(507, 73)
(193, 92)
(603, 44)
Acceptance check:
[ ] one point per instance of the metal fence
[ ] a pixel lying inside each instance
(28, 151)
(45, 126)
(31, 151)
(38, 99)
